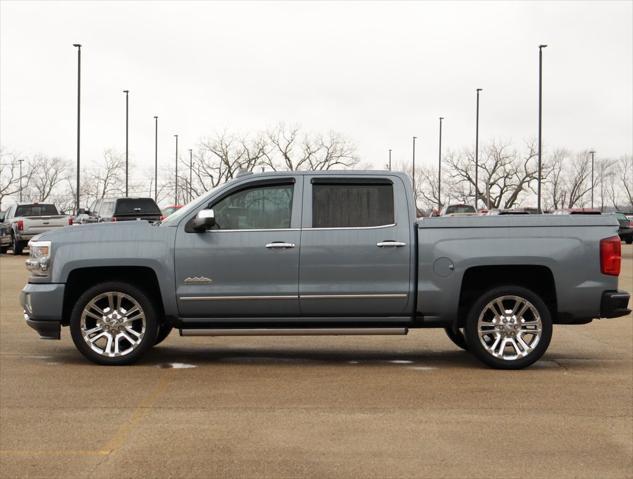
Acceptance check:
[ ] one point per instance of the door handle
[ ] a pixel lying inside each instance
(280, 245)
(390, 244)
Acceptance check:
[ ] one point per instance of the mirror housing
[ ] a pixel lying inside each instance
(204, 220)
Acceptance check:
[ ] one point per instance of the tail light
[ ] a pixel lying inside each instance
(20, 225)
(610, 255)
(70, 221)
(113, 219)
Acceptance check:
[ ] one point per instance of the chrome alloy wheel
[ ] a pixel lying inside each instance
(509, 327)
(113, 324)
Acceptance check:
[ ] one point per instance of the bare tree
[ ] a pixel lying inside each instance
(47, 175)
(10, 179)
(290, 150)
(578, 179)
(505, 174)
(624, 171)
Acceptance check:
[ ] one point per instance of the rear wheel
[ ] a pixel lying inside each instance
(628, 240)
(509, 327)
(16, 245)
(457, 336)
(113, 323)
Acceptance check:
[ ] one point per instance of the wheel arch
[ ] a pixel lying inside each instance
(80, 279)
(479, 279)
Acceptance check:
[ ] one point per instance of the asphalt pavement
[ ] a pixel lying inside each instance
(315, 407)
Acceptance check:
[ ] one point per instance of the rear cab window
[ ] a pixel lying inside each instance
(36, 210)
(136, 206)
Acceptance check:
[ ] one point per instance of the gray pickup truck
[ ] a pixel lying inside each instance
(317, 253)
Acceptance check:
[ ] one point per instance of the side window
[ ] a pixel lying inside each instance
(260, 207)
(340, 205)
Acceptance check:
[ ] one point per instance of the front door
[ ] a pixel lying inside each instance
(356, 250)
(248, 264)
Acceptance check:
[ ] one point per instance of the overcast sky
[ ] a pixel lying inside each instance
(377, 72)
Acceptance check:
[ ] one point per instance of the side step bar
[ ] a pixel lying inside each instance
(293, 331)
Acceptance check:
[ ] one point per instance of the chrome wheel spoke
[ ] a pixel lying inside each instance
(513, 333)
(106, 325)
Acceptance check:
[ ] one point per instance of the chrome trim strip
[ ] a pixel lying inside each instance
(353, 296)
(293, 331)
(233, 298)
(253, 230)
(303, 296)
(309, 228)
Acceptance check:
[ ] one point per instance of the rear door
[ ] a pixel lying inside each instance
(355, 247)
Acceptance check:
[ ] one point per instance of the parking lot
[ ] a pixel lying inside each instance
(412, 406)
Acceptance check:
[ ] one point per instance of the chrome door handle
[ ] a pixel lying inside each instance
(280, 245)
(391, 244)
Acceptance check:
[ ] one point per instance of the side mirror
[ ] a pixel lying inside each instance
(204, 220)
(82, 211)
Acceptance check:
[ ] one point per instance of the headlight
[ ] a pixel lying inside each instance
(40, 255)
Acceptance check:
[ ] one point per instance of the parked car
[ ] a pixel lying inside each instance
(458, 210)
(30, 219)
(5, 235)
(626, 228)
(126, 209)
(165, 212)
(316, 253)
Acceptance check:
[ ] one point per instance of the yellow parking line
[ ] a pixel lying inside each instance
(114, 443)
(121, 435)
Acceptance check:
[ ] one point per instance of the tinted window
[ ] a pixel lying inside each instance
(340, 205)
(264, 207)
(459, 209)
(136, 206)
(36, 210)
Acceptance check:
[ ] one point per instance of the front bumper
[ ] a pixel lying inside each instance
(614, 304)
(46, 329)
(43, 301)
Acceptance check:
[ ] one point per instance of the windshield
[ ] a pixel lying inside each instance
(175, 217)
(36, 210)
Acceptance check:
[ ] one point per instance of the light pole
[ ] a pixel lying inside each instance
(176, 187)
(156, 158)
(126, 139)
(389, 159)
(413, 177)
(477, 151)
(190, 174)
(78, 46)
(540, 118)
(439, 171)
(592, 163)
(20, 161)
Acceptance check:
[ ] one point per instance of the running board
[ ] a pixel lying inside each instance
(293, 331)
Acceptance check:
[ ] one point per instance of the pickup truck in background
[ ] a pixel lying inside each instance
(27, 220)
(323, 253)
(5, 236)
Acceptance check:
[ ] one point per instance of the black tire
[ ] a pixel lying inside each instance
(537, 310)
(628, 240)
(4, 249)
(145, 306)
(457, 337)
(163, 331)
(16, 246)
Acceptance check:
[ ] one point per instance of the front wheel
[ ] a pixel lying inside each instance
(113, 323)
(509, 327)
(457, 336)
